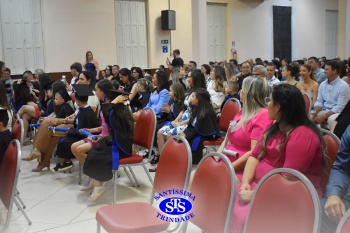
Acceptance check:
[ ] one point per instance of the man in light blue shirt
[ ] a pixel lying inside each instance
(333, 95)
(337, 199)
(316, 68)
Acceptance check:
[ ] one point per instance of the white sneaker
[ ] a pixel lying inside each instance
(96, 193)
(87, 184)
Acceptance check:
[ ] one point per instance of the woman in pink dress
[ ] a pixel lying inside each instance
(250, 122)
(293, 141)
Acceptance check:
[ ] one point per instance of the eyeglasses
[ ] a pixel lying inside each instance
(267, 100)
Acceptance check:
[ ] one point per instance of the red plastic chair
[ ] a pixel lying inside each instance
(18, 130)
(333, 145)
(308, 103)
(144, 131)
(284, 203)
(229, 111)
(173, 172)
(72, 96)
(9, 171)
(344, 224)
(214, 186)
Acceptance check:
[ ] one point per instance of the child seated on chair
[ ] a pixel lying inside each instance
(63, 108)
(104, 157)
(85, 118)
(5, 134)
(177, 116)
(202, 124)
(231, 91)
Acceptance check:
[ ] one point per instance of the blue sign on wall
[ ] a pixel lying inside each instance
(165, 49)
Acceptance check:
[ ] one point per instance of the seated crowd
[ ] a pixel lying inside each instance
(271, 130)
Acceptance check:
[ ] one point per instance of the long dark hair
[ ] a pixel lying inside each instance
(139, 71)
(3, 96)
(90, 76)
(293, 69)
(198, 80)
(43, 80)
(128, 122)
(292, 113)
(104, 85)
(162, 78)
(204, 106)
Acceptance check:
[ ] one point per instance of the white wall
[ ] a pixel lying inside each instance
(73, 27)
(253, 27)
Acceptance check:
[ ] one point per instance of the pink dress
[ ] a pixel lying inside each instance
(302, 152)
(240, 139)
(104, 131)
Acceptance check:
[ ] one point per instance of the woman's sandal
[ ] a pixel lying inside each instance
(40, 167)
(32, 156)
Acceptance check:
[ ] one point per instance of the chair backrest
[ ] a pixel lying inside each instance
(18, 130)
(8, 177)
(344, 224)
(145, 128)
(174, 166)
(333, 145)
(229, 111)
(214, 187)
(284, 203)
(72, 96)
(307, 101)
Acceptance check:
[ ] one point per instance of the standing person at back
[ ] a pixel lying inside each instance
(91, 64)
(333, 95)
(177, 61)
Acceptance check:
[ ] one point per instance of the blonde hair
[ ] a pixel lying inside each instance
(255, 89)
(175, 74)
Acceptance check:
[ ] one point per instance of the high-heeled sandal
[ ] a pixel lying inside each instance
(40, 167)
(33, 155)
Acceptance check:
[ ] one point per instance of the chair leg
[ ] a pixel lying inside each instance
(21, 209)
(133, 175)
(79, 179)
(183, 228)
(114, 187)
(98, 227)
(128, 175)
(147, 172)
(20, 200)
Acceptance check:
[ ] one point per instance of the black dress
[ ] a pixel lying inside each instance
(64, 110)
(142, 101)
(199, 130)
(104, 158)
(86, 118)
(5, 139)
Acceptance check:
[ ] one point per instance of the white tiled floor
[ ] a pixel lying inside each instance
(55, 203)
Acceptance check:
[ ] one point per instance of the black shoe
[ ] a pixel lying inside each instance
(153, 169)
(145, 155)
(58, 166)
(65, 166)
(155, 160)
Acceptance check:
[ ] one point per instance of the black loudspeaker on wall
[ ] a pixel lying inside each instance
(168, 20)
